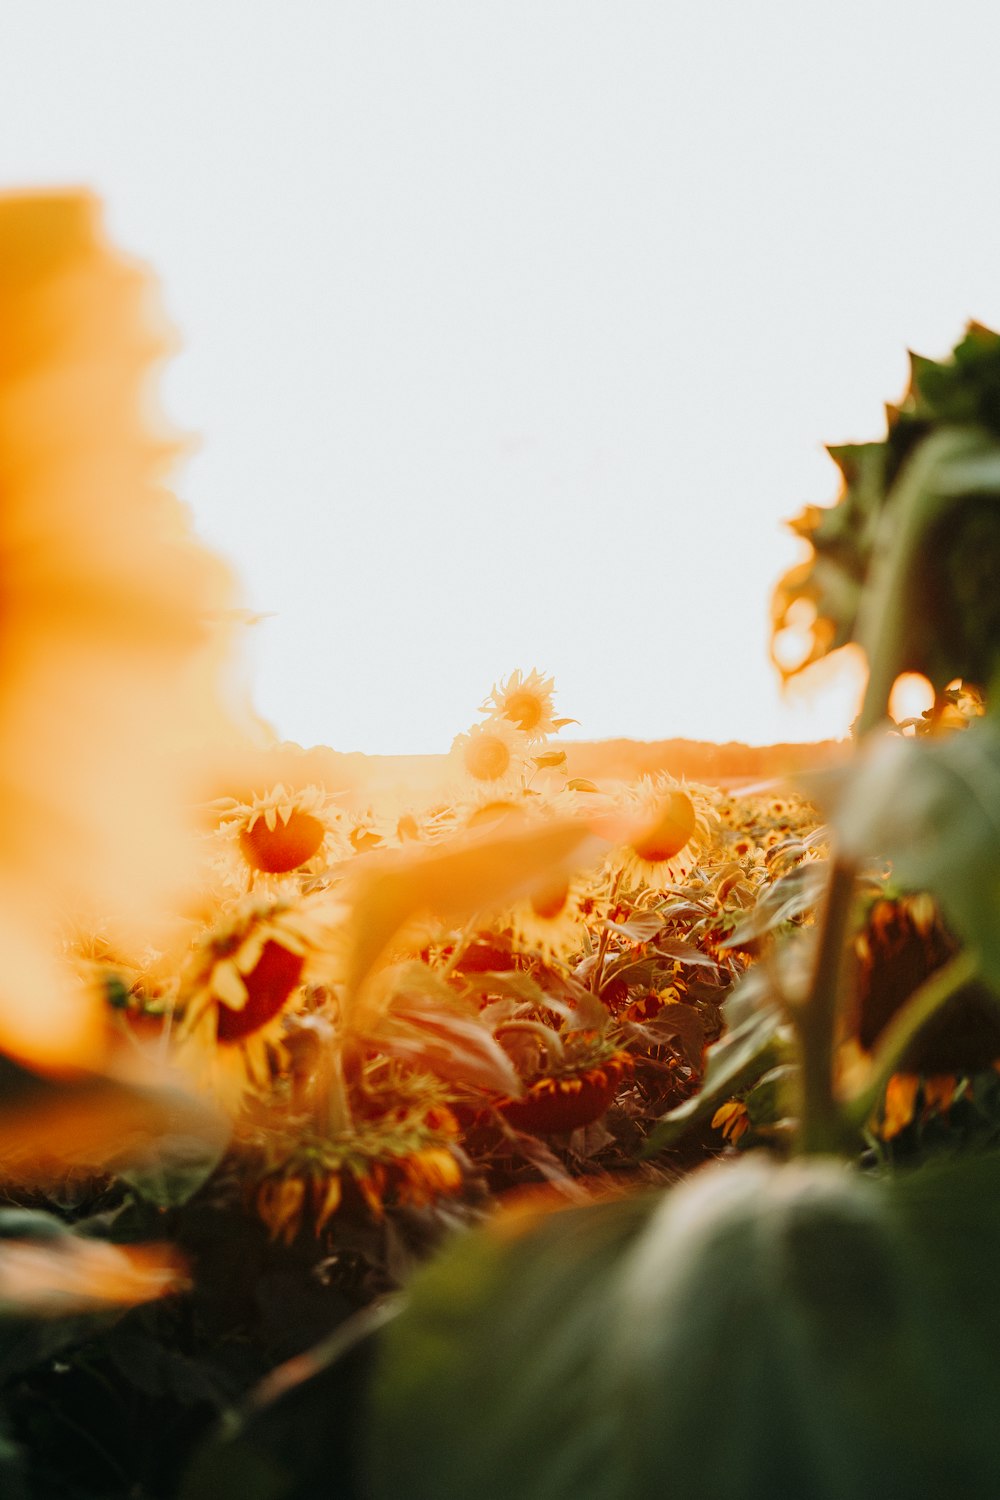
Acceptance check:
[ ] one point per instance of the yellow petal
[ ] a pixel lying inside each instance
(228, 986)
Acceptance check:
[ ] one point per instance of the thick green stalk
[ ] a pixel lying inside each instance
(822, 1128)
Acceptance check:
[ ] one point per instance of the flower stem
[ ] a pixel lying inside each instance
(823, 1129)
(602, 946)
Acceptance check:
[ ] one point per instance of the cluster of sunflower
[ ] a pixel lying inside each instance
(540, 1025)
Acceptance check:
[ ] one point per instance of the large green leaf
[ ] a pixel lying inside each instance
(489, 1388)
(933, 808)
(759, 1331)
(785, 901)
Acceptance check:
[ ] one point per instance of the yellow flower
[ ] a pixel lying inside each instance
(279, 831)
(732, 1119)
(672, 823)
(243, 977)
(550, 922)
(105, 599)
(492, 756)
(526, 702)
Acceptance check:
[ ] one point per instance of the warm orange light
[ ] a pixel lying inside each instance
(838, 680)
(911, 697)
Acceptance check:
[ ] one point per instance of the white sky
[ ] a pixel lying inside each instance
(513, 328)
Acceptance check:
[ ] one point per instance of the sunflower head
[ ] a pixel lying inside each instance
(904, 941)
(525, 702)
(245, 972)
(107, 600)
(280, 830)
(550, 920)
(402, 1156)
(492, 757)
(672, 823)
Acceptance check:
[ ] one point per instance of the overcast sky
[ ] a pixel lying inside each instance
(512, 330)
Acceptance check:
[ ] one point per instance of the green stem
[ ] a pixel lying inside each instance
(602, 947)
(822, 1129)
(922, 1004)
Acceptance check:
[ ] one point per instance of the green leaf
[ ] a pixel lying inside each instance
(788, 898)
(485, 1385)
(933, 808)
(427, 1024)
(760, 1330)
(761, 1042)
(775, 1096)
(640, 927)
(166, 1170)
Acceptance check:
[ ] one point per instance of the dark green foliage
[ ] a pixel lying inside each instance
(761, 1330)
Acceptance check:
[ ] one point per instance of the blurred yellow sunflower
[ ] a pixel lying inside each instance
(550, 921)
(492, 756)
(107, 600)
(526, 702)
(672, 822)
(242, 978)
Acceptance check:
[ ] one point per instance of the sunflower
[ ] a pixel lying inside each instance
(495, 812)
(243, 976)
(525, 702)
(672, 822)
(279, 831)
(576, 1093)
(105, 599)
(404, 1156)
(902, 942)
(492, 757)
(550, 921)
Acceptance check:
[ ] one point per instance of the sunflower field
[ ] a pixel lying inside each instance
(525, 1136)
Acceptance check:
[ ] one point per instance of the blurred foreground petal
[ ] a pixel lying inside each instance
(70, 1274)
(111, 616)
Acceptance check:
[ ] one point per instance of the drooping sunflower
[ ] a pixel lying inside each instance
(108, 604)
(902, 942)
(399, 1157)
(526, 702)
(672, 822)
(491, 757)
(575, 1090)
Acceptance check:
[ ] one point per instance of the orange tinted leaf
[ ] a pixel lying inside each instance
(472, 874)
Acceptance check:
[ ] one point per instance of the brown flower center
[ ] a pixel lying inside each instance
(283, 847)
(668, 831)
(548, 902)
